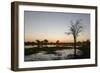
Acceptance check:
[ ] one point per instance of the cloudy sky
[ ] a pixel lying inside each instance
(53, 25)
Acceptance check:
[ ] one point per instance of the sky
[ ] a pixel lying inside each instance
(52, 26)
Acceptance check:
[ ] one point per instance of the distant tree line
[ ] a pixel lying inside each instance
(45, 43)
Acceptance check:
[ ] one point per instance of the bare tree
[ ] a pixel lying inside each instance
(75, 29)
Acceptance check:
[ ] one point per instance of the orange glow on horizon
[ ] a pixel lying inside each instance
(54, 37)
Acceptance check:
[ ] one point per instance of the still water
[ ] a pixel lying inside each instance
(31, 46)
(60, 54)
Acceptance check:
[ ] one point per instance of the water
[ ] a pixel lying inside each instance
(60, 54)
(31, 46)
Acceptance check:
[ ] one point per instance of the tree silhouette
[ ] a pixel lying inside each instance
(75, 29)
(42, 44)
(45, 42)
(57, 43)
(33, 43)
(38, 43)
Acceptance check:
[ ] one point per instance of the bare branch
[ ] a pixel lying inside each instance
(75, 28)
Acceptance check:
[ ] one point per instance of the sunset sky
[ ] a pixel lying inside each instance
(53, 25)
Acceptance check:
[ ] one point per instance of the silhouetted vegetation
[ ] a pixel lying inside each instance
(83, 46)
(47, 47)
(49, 50)
(45, 42)
(75, 29)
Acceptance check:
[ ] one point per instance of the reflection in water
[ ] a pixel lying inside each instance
(33, 46)
(60, 55)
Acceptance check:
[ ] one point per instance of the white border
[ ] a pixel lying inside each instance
(23, 64)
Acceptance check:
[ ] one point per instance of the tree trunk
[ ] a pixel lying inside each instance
(74, 46)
